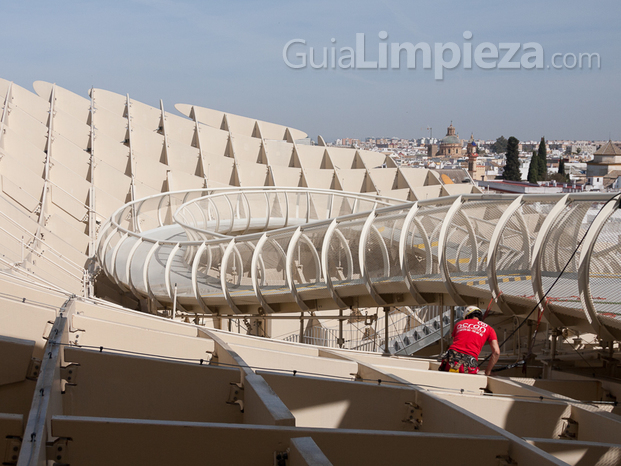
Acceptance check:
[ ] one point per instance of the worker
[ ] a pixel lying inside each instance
(469, 336)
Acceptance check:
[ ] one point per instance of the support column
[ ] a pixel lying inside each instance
(302, 327)
(341, 340)
(386, 350)
(452, 318)
(441, 329)
(612, 363)
(548, 368)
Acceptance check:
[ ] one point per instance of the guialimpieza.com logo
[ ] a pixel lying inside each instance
(438, 56)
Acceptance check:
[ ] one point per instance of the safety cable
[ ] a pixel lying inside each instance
(546, 294)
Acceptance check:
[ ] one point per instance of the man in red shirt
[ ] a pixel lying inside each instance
(469, 336)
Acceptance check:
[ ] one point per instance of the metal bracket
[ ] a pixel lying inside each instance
(570, 429)
(11, 452)
(56, 451)
(281, 458)
(505, 460)
(69, 373)
(413, 415)
(236, 395)
(33, 369)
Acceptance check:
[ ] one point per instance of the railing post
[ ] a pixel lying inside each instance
(341, 340)
(452, 319)
(302, 327)
(174, 309)
(442, 329)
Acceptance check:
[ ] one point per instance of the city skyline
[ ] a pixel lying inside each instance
(231, 57)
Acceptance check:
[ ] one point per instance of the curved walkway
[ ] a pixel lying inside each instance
(257, 250)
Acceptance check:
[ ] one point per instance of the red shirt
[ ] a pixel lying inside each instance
(470, 335)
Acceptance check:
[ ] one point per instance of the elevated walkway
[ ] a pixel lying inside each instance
(264, 250)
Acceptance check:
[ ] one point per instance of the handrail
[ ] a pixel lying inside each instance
(443, 233)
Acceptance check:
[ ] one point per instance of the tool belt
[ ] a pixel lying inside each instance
(454, 361)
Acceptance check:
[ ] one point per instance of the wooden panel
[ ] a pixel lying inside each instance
(516, 416)
(127, 386)
(73, 104)
(149, 442)
(21, 149)
(30, 184)
(17, 354)
(73, 130)
(26, 321)
(121, 337)
(72, 157)
(30, 103)
(246, 149)
(11, 425)
(267, 359)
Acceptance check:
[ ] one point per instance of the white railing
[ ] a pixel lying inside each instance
(247, 250)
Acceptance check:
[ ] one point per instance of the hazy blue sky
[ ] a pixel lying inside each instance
(228, 56)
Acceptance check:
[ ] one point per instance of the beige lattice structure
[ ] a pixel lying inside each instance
(86, 381)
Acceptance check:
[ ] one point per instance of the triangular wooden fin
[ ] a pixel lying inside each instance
(326, 162)
(262, 157)
(225, 123)
(256, 131)
(288, 137)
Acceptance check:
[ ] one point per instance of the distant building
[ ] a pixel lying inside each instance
(521, 187)
(605, 160)
(450, 145)
(476, 170)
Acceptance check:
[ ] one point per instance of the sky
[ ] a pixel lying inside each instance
(229, 56)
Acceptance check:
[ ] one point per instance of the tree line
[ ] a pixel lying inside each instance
(538, 168)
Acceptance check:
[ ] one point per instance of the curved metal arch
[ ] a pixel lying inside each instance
(297, 236)
(324, 263)
(426, 243)
(204, 217)
(248, 213)
(128, 266)
(289, 269)
(362, 252)
(268, 210)
(167, 269)
(228, 232)
(535, 268)
(104, 249)
(195, 290)
(286, 209)
(442, 244)
(584, 266)
(145, 273)
(364, 237)
(115, 252)
(348, 255)
(494, 243)
(473, 238)
(433, 266)
(223, 266)
(403, 260)
(159, 209)
(458, 253)
(256, 257)
(101, 242)
(137, 213)
(470, 237)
